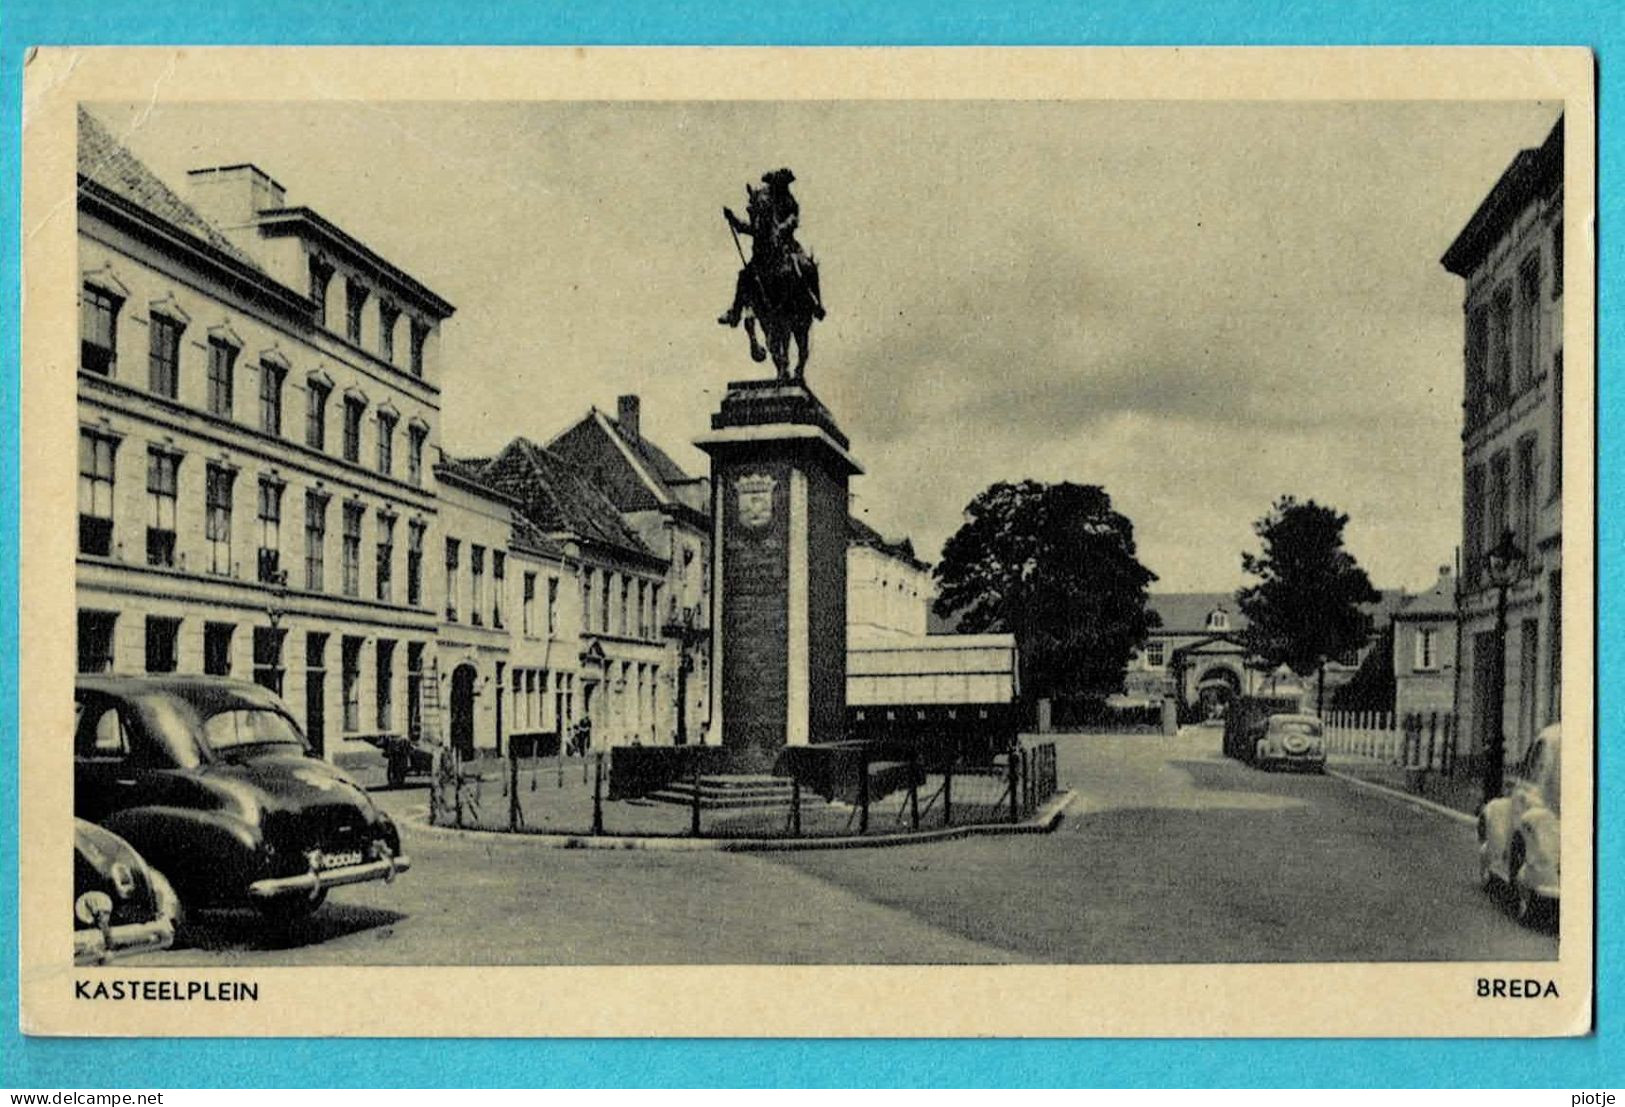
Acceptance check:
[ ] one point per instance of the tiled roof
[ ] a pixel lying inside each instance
(1436, 601)
(108, 163)
(557, 497)
(859, 533)
(660, 464)
(1187, 612)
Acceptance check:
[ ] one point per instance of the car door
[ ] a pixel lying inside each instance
(104, 777)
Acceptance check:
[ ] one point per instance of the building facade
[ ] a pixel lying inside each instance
(1195, 656)
(1425, 650)
(888, 589)
(257, 394)
(668, 511)
(1510, 258)
(506, 659)
(1198, 655)
(619, 684)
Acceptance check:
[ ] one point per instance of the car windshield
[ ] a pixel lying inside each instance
(240, 728)
(1295, 726)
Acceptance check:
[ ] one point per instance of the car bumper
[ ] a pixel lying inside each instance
(1541, 878)
(317, 880)
(92, 946)
(1280, 757)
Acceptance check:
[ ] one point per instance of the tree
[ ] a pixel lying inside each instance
(1307, 606)
(1054, 565)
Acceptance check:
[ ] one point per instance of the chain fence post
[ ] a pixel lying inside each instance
(1015, 784)
(914, 787)
(597, 791)
(795, 806)
(948, 793)
(863, 790)
(694, 807)
(513, 789)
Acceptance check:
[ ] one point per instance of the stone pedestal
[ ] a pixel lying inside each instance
(779, 472)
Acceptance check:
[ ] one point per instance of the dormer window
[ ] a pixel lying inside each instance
(1218, 619)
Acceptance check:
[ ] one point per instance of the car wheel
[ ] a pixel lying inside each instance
(1525, 904)
(282, 910)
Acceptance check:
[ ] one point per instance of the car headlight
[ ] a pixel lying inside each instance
(92, 907)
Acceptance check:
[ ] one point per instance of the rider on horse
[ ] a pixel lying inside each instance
(772, 217)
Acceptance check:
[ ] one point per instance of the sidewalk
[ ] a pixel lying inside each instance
(1460, 791)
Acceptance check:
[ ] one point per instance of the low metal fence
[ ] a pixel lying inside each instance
(846, 790)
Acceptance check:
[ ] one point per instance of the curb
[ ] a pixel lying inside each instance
(1044, 821)
(1405, 797)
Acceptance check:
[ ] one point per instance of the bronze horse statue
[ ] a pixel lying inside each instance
(778, 287)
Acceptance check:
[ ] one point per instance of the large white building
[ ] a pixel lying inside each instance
(257, 393)
(1510, 256)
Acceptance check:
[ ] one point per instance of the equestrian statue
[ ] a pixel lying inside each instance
(778, 286)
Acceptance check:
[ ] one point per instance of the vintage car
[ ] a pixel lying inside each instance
(121, 905)
(1295, 740)
(213, 782)
(1518, 832)
(405, 755)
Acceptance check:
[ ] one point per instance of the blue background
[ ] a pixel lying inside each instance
(1592, 1062)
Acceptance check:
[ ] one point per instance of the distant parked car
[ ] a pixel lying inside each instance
(1295, 740)
(121, 905)
(212, 781)
(406, 755)
(1519, 843)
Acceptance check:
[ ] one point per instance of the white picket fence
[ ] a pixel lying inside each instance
(1415, 741)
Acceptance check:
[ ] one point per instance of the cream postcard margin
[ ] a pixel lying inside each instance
(1390, 999)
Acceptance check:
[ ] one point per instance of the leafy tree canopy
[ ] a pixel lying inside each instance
(1056, 566)
(1306, 606)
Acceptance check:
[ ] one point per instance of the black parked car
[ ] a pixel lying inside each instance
(121, 905)
(213, 782)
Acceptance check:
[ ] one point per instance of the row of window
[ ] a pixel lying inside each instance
(1503, 335)
(97, 475)
(356, 295)
(162, 655)
(620, 604)
(98, 344)
(1502, 497)
(529, 708)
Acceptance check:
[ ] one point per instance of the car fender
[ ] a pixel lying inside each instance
(1492, 831)
(1542, 841)
(203, 853)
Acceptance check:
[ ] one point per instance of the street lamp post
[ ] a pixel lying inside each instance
(689, 634)
(1505, 564)
(274, 611)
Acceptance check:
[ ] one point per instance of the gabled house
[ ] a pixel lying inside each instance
(623, 677)
(668, 511)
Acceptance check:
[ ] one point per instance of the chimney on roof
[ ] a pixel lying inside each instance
(626, 414)
(231, 196)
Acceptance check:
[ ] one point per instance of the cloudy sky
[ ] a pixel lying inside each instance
(1198, 306)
